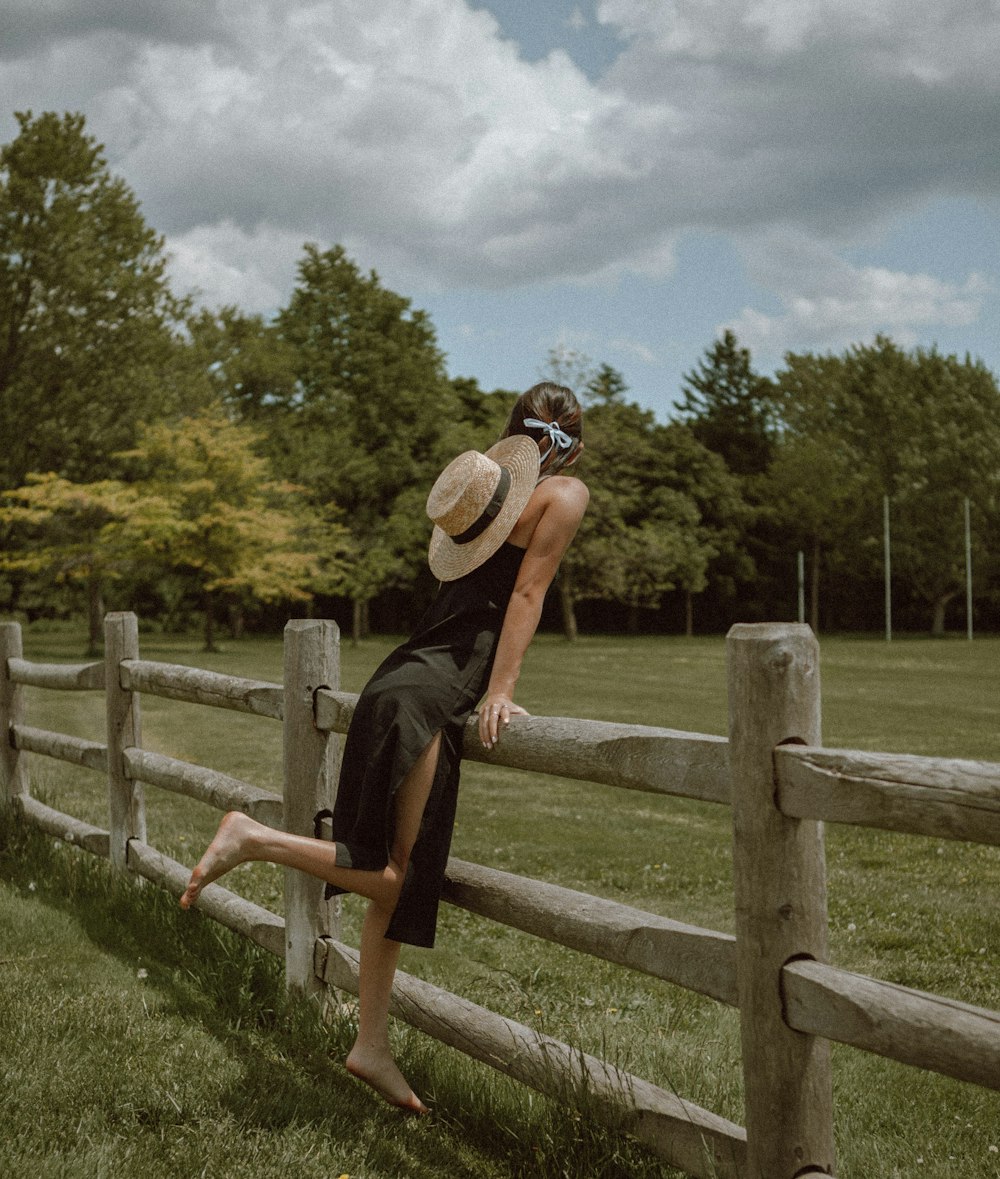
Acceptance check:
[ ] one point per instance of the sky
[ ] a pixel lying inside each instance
(623, 179)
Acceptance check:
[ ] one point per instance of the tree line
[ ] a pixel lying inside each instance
(192, 463)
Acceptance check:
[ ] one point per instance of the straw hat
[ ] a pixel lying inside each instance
(475, 503)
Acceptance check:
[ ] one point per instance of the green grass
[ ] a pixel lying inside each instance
(201, 1067)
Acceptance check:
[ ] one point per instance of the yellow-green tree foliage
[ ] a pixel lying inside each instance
(66, 531)
(203, 506)
(209, 507)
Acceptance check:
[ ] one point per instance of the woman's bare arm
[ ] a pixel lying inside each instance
(565, 502)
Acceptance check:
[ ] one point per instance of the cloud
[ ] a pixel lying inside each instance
(829, 303)
(636, 349)
(224, 264)
(30, 25)
(414, 133)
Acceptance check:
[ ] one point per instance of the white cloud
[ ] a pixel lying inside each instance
(635, 349)
(225, 264)
(828, 303)
(414, 134)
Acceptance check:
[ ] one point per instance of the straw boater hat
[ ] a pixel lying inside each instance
(475, 503)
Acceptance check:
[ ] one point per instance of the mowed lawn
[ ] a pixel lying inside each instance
(136, 1037)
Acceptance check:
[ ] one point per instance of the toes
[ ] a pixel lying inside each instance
(383, 1085)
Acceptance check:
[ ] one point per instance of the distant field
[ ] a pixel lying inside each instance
(920, 912)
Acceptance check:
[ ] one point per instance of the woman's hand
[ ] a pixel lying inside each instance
(494, 716)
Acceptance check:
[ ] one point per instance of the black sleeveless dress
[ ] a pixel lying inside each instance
(430, 684)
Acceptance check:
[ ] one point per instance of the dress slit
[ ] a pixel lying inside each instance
(429, 684)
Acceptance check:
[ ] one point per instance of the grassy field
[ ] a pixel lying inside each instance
(134, 1036)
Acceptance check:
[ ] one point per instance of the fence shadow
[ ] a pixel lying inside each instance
(771, 772)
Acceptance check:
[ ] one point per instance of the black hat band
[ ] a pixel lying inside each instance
(489, 513)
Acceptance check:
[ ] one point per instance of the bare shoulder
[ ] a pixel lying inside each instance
(566, 493)
(553, 513)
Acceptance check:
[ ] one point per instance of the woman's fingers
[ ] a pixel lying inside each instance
(494, 717)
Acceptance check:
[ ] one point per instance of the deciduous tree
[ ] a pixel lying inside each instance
(919, 427)
(90, 339)
(376, 415)
(65, 531)
(208, 507)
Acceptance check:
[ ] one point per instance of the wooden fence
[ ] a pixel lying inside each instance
(771, 771)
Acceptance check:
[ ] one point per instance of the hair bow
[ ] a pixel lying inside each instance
(556, 436)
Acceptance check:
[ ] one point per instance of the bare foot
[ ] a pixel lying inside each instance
(226, 850)
(380, 1072)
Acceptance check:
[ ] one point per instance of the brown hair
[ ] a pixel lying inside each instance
(549, 402)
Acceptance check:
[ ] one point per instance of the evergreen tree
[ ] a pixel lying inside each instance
(605, 386)
(728, 408)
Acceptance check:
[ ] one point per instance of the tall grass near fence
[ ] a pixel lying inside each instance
(899, 907)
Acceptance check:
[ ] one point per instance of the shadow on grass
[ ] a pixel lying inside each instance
(290, 1071)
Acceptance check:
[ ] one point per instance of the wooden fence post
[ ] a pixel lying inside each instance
(13, 779)
(780, 884)
(311, 661)
(127, 811)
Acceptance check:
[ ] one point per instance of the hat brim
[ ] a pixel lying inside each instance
(449, 561)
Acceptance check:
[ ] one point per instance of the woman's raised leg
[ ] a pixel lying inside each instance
(240, 839)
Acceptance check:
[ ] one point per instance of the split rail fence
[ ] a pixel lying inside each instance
(771, 771)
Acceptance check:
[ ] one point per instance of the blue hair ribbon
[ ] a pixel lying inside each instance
(556, 436)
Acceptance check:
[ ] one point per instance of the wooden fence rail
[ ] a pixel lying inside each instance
(779, 783)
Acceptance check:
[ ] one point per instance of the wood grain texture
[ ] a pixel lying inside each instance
(91, 754)
(948, 798)
(65, 827)
(917, 1028)
(124, 731)
(632, 757)
(701, 960)
(780, 888)
(13, 778)
(211, 787)
(311, 662)
(67, 677)
(252, 921)
(259, 697)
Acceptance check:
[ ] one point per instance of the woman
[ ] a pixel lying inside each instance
(503, 521)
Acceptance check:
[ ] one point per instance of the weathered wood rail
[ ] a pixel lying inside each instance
(771, 771)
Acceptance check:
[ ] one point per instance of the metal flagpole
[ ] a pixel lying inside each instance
(802, 586)
(888, 570)
(968, 570)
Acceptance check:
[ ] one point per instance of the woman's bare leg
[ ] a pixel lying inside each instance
(240, 839)
(371, 1058)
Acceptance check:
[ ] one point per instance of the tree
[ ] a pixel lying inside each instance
(89, 330)
(918, 427)
(567, 366)
(727, 406)
(640, 537)
(812, 494)
(66, 531)
(375, 419)
(481, 416)
(605, 386)
(952, 455)
(250, 366)
(208, 507)
(724, 514)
